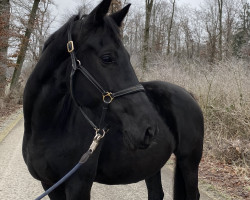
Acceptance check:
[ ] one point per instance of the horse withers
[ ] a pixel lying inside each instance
(93, 85)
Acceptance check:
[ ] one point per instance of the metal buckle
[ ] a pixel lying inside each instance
(107, 97)
(70, 46)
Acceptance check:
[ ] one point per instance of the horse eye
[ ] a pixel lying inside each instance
(107, 59)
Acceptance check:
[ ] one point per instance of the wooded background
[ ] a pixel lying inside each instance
(204, 49)
(218, 30)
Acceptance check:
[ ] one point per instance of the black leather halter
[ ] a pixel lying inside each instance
(107, 96)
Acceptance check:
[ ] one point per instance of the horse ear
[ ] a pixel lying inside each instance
(120, 15)
(100, 11)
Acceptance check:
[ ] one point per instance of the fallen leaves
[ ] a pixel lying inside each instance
(231, 179)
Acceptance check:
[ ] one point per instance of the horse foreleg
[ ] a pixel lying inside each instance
(57, 194)
(154, 186)
(186, 180)
(78, 189)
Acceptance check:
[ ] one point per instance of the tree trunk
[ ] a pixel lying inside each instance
(229, 34)
(220, 4)
(154, 29)
(149, 6)
(170, 28)
(4, 36)
(24, 46)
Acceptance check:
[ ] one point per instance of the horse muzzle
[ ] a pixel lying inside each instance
(148, 137)
(134, 138)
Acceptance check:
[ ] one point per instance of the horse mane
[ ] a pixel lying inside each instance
(60, 31)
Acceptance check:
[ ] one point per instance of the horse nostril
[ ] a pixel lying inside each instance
(149, 134)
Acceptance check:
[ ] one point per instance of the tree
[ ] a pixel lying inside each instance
(231, 10)
(19, 22)
(149, 6)
(133, 33)
(4, 36)
(242, 36)
(211, 24)
(170, 27)
(160, 19)
(188, 37)
(198, 32)
(41, 30)
(220, 10)
(24, 45)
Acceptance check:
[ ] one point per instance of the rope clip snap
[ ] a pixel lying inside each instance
(96, 140)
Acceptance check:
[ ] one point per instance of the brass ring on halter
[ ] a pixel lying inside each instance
(107, 97)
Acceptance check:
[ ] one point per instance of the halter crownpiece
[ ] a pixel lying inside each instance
(70, 46)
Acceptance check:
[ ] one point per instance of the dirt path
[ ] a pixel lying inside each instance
(17, 183)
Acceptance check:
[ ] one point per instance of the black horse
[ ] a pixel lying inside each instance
(145, 127)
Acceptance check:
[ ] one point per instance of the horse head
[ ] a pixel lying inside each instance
(99, 49)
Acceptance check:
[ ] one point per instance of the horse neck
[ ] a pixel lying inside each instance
(47, 96)
(46, 89)
(52, 57)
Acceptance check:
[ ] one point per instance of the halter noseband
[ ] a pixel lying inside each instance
(107, 96)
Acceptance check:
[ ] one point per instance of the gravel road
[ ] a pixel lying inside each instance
(16, 183)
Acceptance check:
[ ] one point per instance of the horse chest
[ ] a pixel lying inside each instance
(49, 159)
(118, 165)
